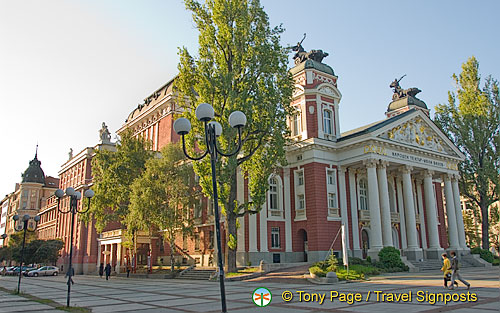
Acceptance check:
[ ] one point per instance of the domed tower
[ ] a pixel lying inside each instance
(34, 173)
(315, 98)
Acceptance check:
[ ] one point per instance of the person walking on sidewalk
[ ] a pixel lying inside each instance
(454, 272)
(446, 269)
(108, 271)
(101, 270)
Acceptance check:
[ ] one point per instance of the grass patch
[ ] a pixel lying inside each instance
(243, 271)
(48, 302)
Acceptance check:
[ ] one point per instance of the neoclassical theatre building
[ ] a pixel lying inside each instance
(392, 182)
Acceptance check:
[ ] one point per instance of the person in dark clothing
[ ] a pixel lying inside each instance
(128, 271)
(108, 271)
(101, 270)
(455, 274)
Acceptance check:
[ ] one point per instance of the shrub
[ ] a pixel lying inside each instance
(369, 259)
(389, 258)
(496, 262)
(317, 270)
(483, 253)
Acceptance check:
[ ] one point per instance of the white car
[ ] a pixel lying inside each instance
(44, 271)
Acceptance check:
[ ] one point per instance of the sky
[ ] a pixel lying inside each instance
(68, 66)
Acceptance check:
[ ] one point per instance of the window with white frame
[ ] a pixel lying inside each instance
(302, 202)
(296, 129)
(330, 178)
(275, 237)
(363, 194)
(274, 196)
(300, 178)
(332, 200)
(327, 121)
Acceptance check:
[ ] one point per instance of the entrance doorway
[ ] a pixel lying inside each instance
(303, 236)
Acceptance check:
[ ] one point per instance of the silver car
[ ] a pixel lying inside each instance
(44, 271)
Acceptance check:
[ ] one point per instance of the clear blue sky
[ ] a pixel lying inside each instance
(67, 66)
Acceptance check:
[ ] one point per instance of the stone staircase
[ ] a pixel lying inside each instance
(197, 273)
(435, 265)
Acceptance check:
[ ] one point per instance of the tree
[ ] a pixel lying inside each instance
(5, 254)
(163, 197)
(240, 66)
(48, 251)
(16, 243)
(473, 126)
(114, 172)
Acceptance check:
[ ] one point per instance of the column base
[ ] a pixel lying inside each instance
(414, 253)
(356, 253)
(434, 253)
(373, 253)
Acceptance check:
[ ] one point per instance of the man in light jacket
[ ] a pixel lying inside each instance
(454, 272)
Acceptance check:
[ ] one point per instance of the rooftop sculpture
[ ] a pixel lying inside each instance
(400, 92)
(301, 55)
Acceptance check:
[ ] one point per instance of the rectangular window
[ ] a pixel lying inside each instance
(332, 200)
(327, 121)
(210, 239)
(275, 237)
(300, 178)
(296, 124)
(331, 179)
(197, 242)
(302, 202)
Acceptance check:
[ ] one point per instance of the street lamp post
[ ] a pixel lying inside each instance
(73, 209)
(4, 236)
(23, 226)
(237, 119)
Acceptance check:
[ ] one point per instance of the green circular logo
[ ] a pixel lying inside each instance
(261, 296)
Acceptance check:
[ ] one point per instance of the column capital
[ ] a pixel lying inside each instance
(383, 164)
(447, 176)
(342, 169)
(455, 177)
(428, 173)
(370, 163)
(406, 169)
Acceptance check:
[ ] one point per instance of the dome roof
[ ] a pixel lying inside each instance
(34, 173)
(406, 101)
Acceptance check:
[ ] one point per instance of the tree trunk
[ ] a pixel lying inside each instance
(230, 227)
(172, 257)
(485, 225)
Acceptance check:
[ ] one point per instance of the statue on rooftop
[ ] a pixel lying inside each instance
(104, 134)
(400, 92)
(301, 55)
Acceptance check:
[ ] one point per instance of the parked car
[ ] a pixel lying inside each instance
(43, 271)
(4, 269)
(15, 270)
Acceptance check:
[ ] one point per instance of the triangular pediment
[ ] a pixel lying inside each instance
(419, 131)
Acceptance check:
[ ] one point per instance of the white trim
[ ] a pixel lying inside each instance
(288, 210)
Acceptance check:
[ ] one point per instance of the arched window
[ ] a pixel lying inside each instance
(363, 194)
(327, 122)
(274, 197)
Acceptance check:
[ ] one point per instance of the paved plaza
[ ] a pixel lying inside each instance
(152, 295)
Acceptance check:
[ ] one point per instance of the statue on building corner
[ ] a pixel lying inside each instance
(70, 154)
(301, 55)
(104, 134)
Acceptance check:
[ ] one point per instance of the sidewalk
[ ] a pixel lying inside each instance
(165, 295)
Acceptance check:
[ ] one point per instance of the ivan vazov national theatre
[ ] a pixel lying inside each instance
(392, 183)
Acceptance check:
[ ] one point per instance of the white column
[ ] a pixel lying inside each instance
(384, 204)
(98, 253)
(288, 209)
(431, 217)
(374, 206)
(458, 215)
(119, 257)
(401, 209)
(263, 228)
(413, 251)
(420, 201)
(451, 213)
(354, 213)
(252, 233)
(337, 121)
(343, 202)
(111, 255)
(240, 198)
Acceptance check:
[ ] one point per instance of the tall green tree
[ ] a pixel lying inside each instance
(471, 120)
(114, 173)
(240, 66)
(164, 196)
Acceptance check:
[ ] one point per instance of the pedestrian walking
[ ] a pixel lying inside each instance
(455, 272)
(446, 269)
(128, 271)
(108, 271)
(101, 270)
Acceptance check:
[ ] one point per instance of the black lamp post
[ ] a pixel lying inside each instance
(205, 112)
(73, 209)
(23, 226)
